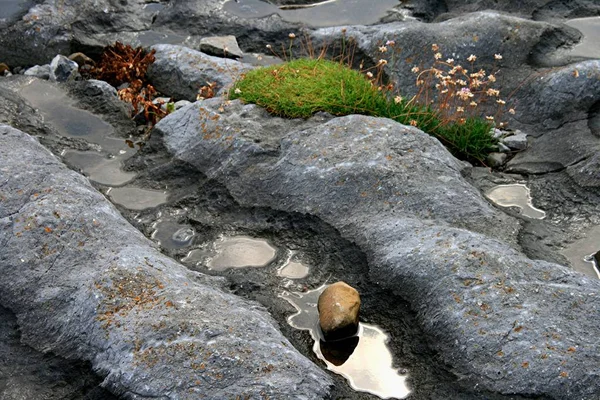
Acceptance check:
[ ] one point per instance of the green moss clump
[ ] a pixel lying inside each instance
(302, 87)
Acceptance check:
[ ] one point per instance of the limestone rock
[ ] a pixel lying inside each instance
(339, 307)
(180, 72)
(518, 141)
(487, 309)
(39, 71)
(221, 46)
(62, 69)
(68, 307)
(496, 160)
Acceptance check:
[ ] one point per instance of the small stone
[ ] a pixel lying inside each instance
(339, 306)
(181, 104)
(221, 46)
(496, 160)
(497, 133)
(3, 68)
(62, 69)
(39, 71)
(81, 59)
(502, 148)
(518, 141)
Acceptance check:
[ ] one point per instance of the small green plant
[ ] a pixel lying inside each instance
(448, 104)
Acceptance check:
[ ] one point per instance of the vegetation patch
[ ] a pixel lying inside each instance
(301, 87)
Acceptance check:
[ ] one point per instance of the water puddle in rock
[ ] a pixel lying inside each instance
(234, 252)
(516, 195)
(582, 253)
(589, 47)
(172, 235)
(11, 8)
(134, 198)
(56, 108)
(321, 14)
(364, 360)
(293, 270)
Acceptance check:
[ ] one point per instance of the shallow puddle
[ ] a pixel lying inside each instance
(589, 46)
(364, 360)
(137, 198)
(234, 252)
(293, 270)
(99, 168)
(172, 235)
(516, 195)
(11, 8)
(581, 253)
(322, 14)
(57, 110)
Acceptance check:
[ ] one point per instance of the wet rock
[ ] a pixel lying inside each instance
(39, 71)
(127, 307)
(518, 141)
(221, 46)
(496, 160)
(180, 72)
(81, 59)
(509, 324)
(3, 68)
(62, 69)
(339, 308)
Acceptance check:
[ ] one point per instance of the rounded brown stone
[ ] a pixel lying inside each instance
(339, 306)
(81, 59)
(3, 67)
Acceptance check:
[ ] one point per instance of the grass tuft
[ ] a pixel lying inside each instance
(302, 87)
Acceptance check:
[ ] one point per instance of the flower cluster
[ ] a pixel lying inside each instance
(460, 91)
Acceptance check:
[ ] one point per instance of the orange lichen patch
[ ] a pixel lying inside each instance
(571, 350)
(564, 374)
(125, 292)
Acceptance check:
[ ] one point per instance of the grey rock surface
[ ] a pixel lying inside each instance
(180, 72)
(504, 321)
(28, 374)
(62, 69)
(496, 160)
(518, 141)
(221, 46)
(86, 285)
(39, 71)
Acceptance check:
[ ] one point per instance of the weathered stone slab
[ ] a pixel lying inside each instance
(84, 284)
(506, 323)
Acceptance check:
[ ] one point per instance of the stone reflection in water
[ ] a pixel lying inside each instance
(364, 360)
(516, 195)
(172, 235)
(583, 253)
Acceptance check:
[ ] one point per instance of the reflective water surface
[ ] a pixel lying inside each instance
(364, 360)
(102, 166)
(234, 252)
(589, 46)
(581, 253)
(516, 195)
(326, 13)
(137, 198)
